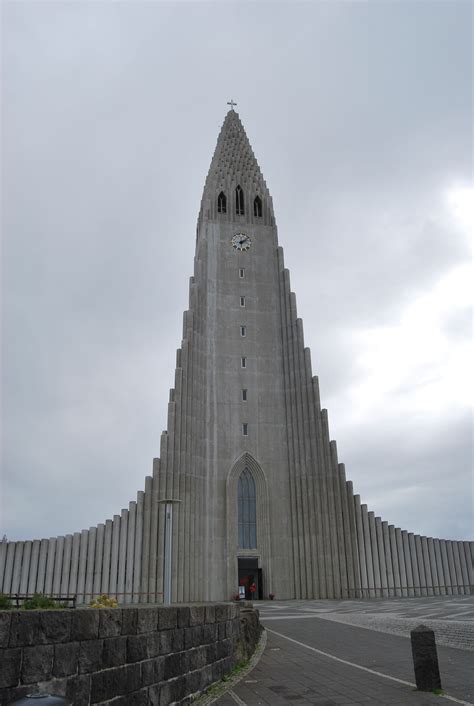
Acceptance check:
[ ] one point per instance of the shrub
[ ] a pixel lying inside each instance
(5, 602)
(104, 601)
(40, 601)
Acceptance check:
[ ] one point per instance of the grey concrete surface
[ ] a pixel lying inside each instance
(315, 655)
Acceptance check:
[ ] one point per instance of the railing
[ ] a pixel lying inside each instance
(387, 591)
(20, 597)
(73, 598)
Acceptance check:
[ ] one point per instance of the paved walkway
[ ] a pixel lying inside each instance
(313, 657)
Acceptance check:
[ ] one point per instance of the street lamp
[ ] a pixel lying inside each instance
(168, 503)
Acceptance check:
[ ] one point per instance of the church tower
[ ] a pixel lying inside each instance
(262, 497)
(244, 420)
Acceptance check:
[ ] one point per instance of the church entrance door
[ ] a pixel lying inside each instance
(250, 575)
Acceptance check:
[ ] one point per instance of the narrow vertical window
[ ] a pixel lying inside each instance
(239, 201)
(242, 301)
(247, 511)
(242, 273)
(245, 429)
(243, 362)
(257, 207)
(222, 203)
(243, 331)
(244, 395)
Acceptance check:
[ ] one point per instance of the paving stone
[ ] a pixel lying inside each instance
(129, 621)
(167, 618)
(25, 629)
(90, 656)
(136, 648)
(110, 622)
(65, 659)
(153, 644)
(5, 620)
(147, 672)
(210, 614)
(173, 665)
(37, 664)
(108, 684)
(177, 640)
(291, 674)
(223, 612)
(85, 624)
(78, 689)
(132, 677)
(193, 637)
(10, 671)
(56, 625)
(147, 620)
(197, 657)
(114, 652)
(197, 615)
(183, 616)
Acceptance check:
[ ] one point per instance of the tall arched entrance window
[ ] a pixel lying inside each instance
(247, 513)
(248, 529)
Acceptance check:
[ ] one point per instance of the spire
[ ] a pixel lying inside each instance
(233, 165)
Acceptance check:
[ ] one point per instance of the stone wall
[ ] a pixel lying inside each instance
(128, 657)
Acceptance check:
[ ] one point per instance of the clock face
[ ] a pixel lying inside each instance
(240, 241)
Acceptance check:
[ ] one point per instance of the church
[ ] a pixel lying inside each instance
(259, 498)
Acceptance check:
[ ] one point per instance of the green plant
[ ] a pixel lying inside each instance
(104, 601)
(236, 671)
(219, 687)
(5, 602)
(40, 601)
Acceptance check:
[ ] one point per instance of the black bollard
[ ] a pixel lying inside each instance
(425, 659)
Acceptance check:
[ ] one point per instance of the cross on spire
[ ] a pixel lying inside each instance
(231, 103)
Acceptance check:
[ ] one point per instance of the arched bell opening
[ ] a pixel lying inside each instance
(222, 203)
(239, 201)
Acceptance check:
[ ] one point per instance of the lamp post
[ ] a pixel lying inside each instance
(168, 503)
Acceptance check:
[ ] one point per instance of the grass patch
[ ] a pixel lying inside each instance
(41, 602)
(236, 670)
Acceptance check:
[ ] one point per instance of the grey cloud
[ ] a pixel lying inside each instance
(360, 116)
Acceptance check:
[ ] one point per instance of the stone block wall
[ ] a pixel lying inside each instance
(125, 657)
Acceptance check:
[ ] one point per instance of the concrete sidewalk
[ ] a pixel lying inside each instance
(315, 661)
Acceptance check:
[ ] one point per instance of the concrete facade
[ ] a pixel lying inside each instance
(241, 332)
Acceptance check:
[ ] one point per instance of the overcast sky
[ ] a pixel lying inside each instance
(360, 116)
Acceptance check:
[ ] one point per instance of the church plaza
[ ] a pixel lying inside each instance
(331, 653)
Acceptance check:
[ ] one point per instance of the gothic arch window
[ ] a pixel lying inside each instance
(257, 207)
(247, 513)
(222, 203)
(239, 201)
